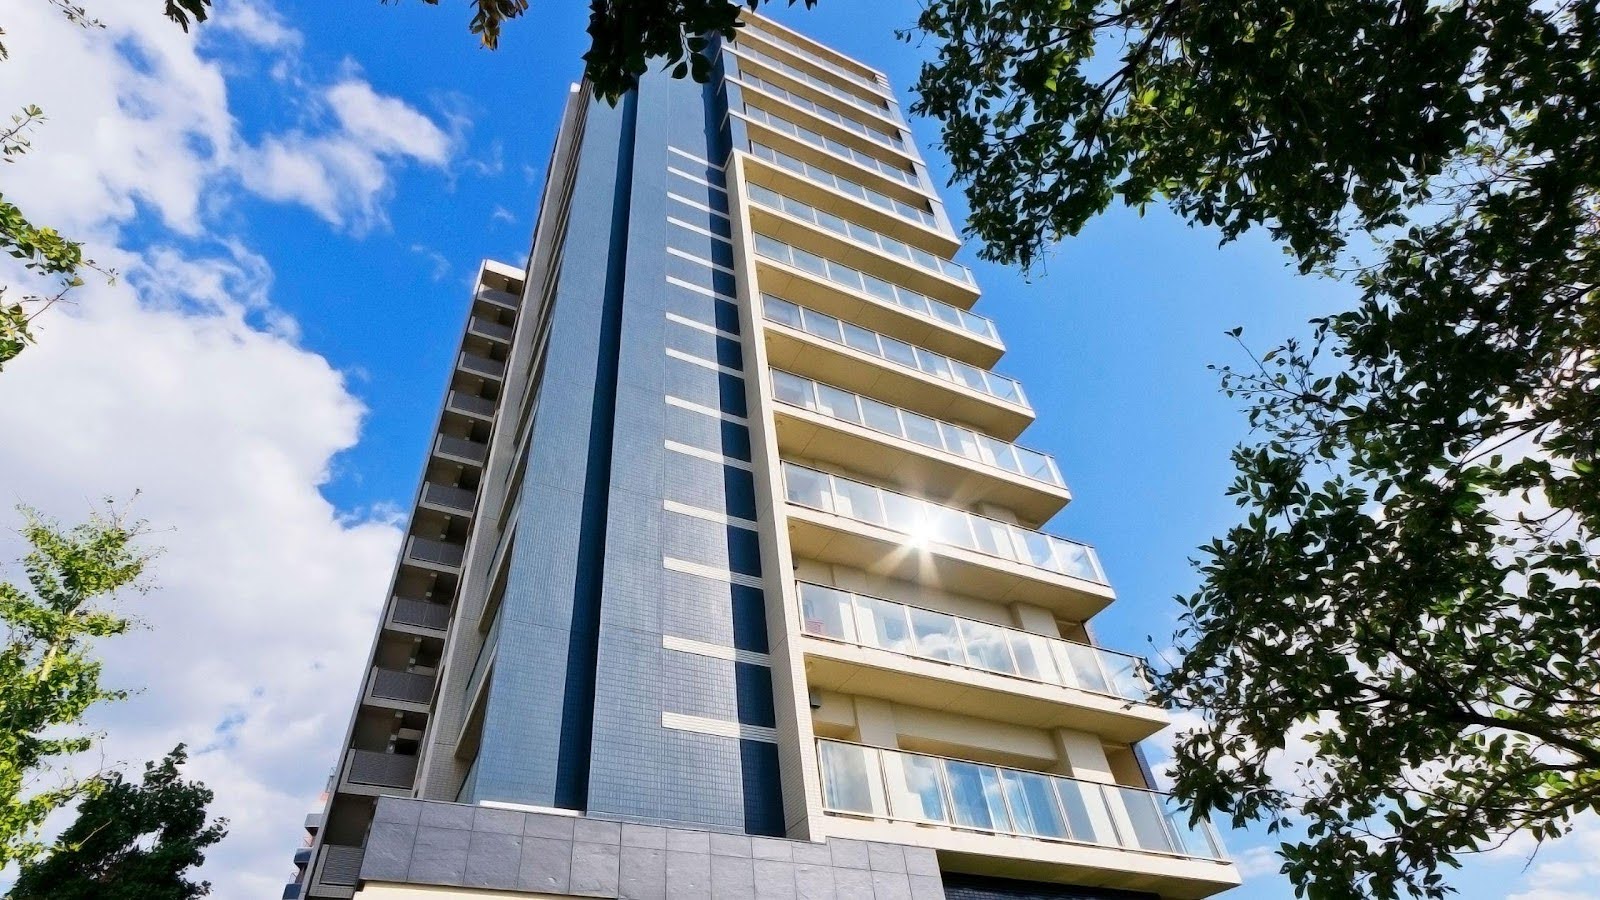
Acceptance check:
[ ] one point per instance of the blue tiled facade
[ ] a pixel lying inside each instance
(636, 515)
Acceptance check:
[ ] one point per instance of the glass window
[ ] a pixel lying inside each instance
(880, 416)
(810, 262)
(895, 248)
(986, 646)
(1197, 839)
(822, 325)
(903, 513)
(792, 389)
(1036, 465)
(937, 636)
(899, 351)
(1126, 674)
(922, 429)
(863, 235)
(915, 787)
(1033, 804)
(845, 275)
(959, 440)
(859, 500)
(861, 339)
(948, 525)
(933, 364)
(879, 288)
(772, 249)
(795, 208)
(1005, 388)
(947, 314)
(764, 196)
(1036, 548)
(992, 537)
(1001, 454)
(837, 403)
(924, 258)
(831, 222)
(781, 311)
(970, 376)
(807, 488)
(883, 624)
(1033, 657)
(850, 779)
(1078, 798)
(827, 612)
(1084, 664)
(1149, 830)
(975, 796)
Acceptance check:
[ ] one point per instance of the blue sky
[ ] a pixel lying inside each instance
(297, 202)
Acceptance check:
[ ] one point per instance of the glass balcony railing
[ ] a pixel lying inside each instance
(876, 288)
(878, 106)
(892, 141)
(892, 351)
(845, 186)
(933, 790)
(827, 221)
(924, 521)
(837, 403)
(828, 65)
(883, 167)
(928, 634)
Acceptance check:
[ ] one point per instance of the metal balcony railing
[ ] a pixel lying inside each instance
(381, 769)
(930, 790)
(470, 405)
(449, 496)
(441, 553)
(850, 231)
(780, 41)
(340, 865)
(924, 521)
(421, 614)
(462, 448)
(893, 351)
(481, 365)
(828, 145)
(838, 403)
(411, 687)
(928, 634)
(492, 330)
(893, 141)
(878, 107)
(845, 186)
(875, 288)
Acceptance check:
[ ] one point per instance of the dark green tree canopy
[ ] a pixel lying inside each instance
(130, 841)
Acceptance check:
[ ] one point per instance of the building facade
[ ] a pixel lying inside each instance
(726, 576)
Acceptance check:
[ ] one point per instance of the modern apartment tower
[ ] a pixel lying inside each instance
(726, 577)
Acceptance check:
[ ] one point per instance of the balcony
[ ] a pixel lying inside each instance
(389, 686)
(784, 43)
(874, 303)
(481, 365)
(877, 106)
(379, 771)
(502, 299)
(822, 422)
(470, 405)
(461, 449)
(884, 135)
(835, 519)
(291, 891)
(1035, 824)
(340, 866)
(803, 142)
(892, 370)
(862, 248)
(431, 554)
(922, 657)
(821, 187)
(491, 330)
(420, 615)
(449, 498)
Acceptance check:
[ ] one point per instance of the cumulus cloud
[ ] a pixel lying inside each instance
(184, 381)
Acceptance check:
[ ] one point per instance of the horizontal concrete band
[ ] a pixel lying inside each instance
(449, 844)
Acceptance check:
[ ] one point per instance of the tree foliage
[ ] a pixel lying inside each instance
(130, 841)
(48, 677)
(1413, 590)
(45, 252)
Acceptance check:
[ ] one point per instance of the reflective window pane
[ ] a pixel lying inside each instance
(922, 429)
(850, 779)
(827, 612)
(1031, 652)
(858, 500)
(1149, 831)
(1033, 804)
(975, 795)
(822, 325)
(792, 389)
(959, 440)
(1077, 800)
(861, 339)
(899, 351)
(880, 416)
(882, 624)
(782, 311)
(1085, 667)
(986, 646)
(807, 488)
(837, 403)
(915, 787)
(937, 636)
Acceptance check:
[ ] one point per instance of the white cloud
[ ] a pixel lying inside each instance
(1565, 869)
(1255, 862)
(184, 381)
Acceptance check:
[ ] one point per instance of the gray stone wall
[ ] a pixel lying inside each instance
(430, 842)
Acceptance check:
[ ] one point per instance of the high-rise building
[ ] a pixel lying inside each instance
(726, 576)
